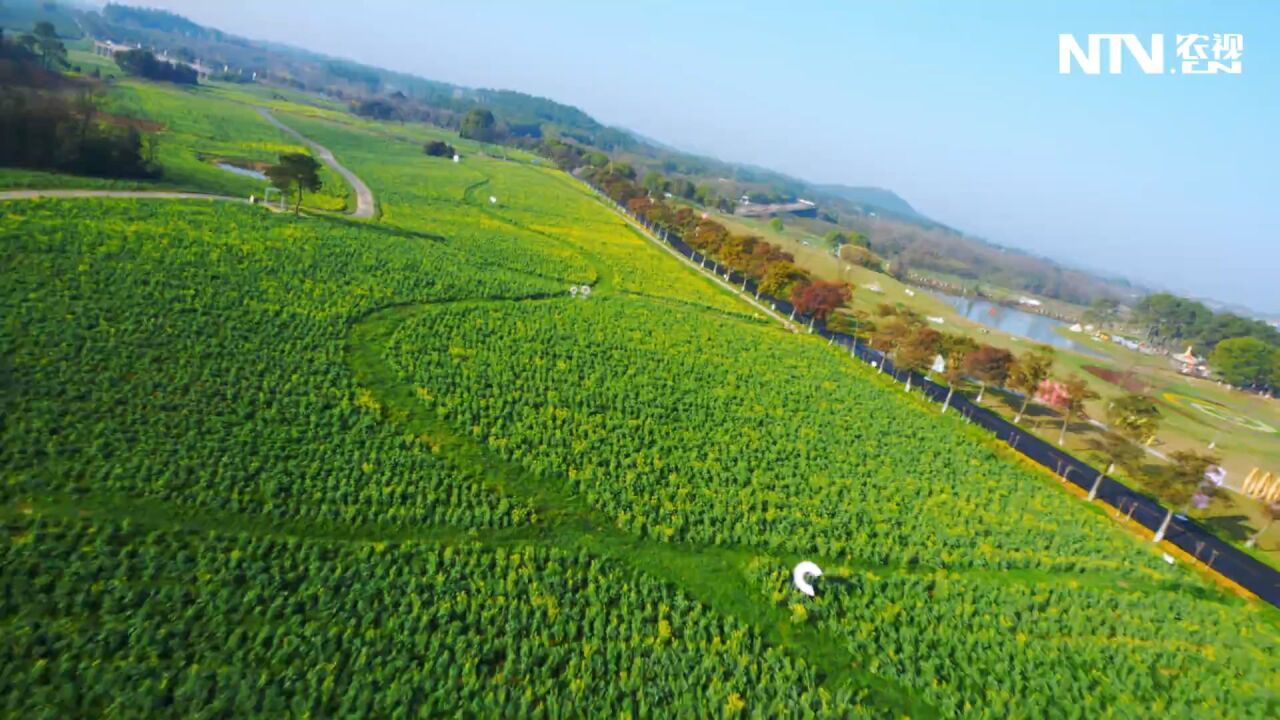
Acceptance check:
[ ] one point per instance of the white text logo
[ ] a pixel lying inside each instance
(1196, 54)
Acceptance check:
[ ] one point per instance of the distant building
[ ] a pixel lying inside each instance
(796, 209)
(107, 48)
(1029, 301)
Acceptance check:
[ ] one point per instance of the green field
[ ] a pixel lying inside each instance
(194, 128)
(258, 465)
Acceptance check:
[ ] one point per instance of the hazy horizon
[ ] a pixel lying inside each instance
(1166, 180)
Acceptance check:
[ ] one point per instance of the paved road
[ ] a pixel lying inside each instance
(141, 194)
(364, 196)
(1220, 556)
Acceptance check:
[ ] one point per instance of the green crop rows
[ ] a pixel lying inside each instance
(253, 465)
(682, 427)
(136, 624)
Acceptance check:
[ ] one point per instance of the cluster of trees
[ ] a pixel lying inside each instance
(1247, 362)
(685, 189)
(479, 124)
(144, 63)
(41, 43)
(48, 122)
(439, 148)
(1244, 351)
(1172, 322)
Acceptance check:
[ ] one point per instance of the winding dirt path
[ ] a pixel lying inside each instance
(125, 194)
(365, 205)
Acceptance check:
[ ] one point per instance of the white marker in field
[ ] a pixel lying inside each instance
(800, 576)
(493, 200)
(585, 292)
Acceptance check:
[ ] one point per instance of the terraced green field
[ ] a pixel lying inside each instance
(252, 465)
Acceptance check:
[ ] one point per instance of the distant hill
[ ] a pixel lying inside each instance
(874, 198)
(898, 229)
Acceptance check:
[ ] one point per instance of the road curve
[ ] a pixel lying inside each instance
(138, 194)
(364, 196)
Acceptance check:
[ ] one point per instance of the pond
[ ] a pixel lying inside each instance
(247, 172)
(1040, 328)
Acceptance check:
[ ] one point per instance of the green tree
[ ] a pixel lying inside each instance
(1078, 393)
(1028, 372)
(295, 172)
(954, 349)
(653, 183)
(1243, 361)
(1182, 483)
(1134, 417)
(780, 277)
(776, 224)
(1102, 312)
(1120, 451)
(45, 40)
(478, 124)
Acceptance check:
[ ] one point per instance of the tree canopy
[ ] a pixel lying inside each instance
(478, 124)
(1244, 361)
(294, 173)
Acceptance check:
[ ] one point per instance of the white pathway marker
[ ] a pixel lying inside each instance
(800, 576)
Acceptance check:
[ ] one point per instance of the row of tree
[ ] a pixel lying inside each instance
(1132, 420)
(774, 270)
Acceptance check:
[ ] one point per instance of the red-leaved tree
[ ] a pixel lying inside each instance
(821, 297)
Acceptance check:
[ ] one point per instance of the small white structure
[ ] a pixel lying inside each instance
(802, 573)
(939, 364)
(584, 292)
(910, 292)
(573, 290)
(1030, 301)
(457, 157)
(936, 320)
(1216, 474)
(874, 287)
(1076, 328)
(493, 200)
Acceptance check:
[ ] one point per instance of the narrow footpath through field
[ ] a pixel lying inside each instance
(364, 196)
(118, 194)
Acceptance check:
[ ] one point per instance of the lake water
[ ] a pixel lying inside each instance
(247, 172)
(1013, 321)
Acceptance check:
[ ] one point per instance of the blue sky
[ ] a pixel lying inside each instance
(958, 106)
